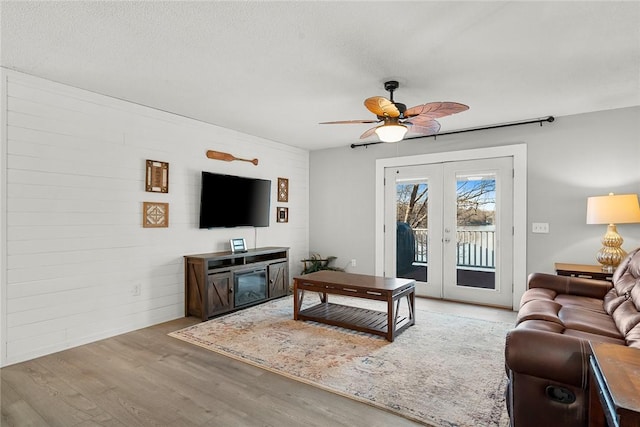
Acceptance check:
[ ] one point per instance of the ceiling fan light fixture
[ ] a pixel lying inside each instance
(391, 133)
(396, 118)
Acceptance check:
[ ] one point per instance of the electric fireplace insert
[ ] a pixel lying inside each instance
(249, 286)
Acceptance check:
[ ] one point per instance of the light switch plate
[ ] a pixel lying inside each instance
(540, 227)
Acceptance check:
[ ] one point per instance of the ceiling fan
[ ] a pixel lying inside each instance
(397, 120)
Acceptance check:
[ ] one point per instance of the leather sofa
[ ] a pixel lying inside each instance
(547, 352)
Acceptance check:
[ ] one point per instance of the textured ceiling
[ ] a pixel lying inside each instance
(276, 69)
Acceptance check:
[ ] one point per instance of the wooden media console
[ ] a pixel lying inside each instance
(221, 282)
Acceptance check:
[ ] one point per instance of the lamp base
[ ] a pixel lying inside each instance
(608, 269)
(611, 254)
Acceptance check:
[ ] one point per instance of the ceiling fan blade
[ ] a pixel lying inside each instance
(424, 127)
(369, 132)
(344, 122)
(381, 106)
(434, 110)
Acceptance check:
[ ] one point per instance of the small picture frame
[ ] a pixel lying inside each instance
(283, 190)
(155, 215)
(282, 214)
(157, 179)
(238, 245)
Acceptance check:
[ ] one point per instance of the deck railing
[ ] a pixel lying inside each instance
(475, 247)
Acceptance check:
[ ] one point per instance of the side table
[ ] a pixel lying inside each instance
(614, 386)
(583, 270)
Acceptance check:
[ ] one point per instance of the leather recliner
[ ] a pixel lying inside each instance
(547, 353)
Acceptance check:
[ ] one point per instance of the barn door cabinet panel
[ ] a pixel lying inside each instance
(219, 293)
(212, 280)
(278, 279)
(195, 302)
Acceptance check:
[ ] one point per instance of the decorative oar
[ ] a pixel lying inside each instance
(219, 155)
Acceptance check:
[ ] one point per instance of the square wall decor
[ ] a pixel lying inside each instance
(155, 215)
(157, 179)
(282, 214)
(283, 190)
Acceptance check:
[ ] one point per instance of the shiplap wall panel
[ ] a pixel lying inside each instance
(75, 243)
(30, 297)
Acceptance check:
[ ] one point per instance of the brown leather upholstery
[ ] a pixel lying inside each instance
(547, 353)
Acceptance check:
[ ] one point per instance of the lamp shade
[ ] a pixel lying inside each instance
(391, 133)
(613, 209)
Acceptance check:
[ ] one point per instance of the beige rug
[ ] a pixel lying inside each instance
(446, 370)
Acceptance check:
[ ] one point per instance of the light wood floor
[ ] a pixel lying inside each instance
(145, 378)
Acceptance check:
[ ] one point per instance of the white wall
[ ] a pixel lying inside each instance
(72, 181)
(568, 160)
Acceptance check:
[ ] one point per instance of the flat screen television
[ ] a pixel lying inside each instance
(234, 201)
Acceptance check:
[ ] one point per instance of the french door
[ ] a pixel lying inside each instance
(449, 226)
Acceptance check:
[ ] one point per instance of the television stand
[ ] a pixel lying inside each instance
(221, 282)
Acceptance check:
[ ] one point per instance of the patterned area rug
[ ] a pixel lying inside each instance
(446, 370)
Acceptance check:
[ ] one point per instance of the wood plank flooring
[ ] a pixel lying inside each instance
(146, 378)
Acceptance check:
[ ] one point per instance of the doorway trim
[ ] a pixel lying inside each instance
(519, 154)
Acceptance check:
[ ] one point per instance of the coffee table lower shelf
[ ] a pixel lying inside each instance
(356, 318)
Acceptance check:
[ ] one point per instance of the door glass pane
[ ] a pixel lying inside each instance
(476, 230)
(412, 207)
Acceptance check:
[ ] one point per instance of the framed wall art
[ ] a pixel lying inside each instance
(157, 179)
(155, 215)
(282, 214)
(283, 190)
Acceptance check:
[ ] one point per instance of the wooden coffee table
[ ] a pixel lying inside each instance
(387, 324)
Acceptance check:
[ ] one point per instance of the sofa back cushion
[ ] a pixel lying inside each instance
(628, 272)
(633, 335)
(623, 300)
(626, 317)
(634, 295)
(625, 278)
(612, 301)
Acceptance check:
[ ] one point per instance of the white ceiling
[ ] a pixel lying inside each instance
(276, 69)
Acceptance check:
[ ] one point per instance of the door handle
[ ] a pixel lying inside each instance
(447, 240)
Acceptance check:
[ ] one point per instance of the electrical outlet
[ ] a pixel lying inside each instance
(353, 262)
(540, 227)
(136, 290)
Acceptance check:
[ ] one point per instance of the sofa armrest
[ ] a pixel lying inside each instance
(570, 285)
(548, 355)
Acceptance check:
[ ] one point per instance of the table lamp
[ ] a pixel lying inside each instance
(612, 209)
